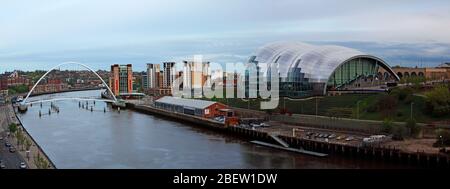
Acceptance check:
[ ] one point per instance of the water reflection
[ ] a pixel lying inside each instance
(79, 138)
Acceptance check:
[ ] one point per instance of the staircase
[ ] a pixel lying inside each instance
(279, 140)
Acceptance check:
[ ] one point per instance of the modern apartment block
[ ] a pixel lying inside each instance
(144, 80)
(196, 75)
(169, 74)
(121, 79)
(153, 71)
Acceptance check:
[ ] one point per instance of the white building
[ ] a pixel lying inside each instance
(153, 71)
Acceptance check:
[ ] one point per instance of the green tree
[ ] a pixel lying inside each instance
(387, 126)
(413, 127)
(387, 105)
(402, 93)
(28, 144)
(399, 132)
(13, 128)
(18, 89)
(40, 162)
(438, 101)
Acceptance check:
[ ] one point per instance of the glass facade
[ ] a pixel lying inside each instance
(123, 79)
(352, 70)
(307, 70)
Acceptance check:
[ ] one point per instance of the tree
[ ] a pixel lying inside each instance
(20, 139)
(399, 132)
(438, 101)
(28, 144)
(18, 89)
(402, 93)
(40, 162)
(387, 105)
(13, 128)
(413, 127)
(387, 125)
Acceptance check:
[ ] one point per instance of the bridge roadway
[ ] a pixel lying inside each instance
(68, 98)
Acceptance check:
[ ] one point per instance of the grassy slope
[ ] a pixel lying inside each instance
(347, 101)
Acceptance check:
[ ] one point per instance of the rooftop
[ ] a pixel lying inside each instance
(193, 103)
(444, 65)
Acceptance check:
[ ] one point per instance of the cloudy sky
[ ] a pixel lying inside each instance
(41, 34)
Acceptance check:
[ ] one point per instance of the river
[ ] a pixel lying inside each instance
(78, 138)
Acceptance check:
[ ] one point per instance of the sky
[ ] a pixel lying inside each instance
(41, 34)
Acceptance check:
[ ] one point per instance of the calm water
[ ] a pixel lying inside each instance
(78, 138)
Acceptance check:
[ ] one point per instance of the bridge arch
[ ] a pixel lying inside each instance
(66, 63)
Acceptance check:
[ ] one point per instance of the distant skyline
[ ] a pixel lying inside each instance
(41, 34)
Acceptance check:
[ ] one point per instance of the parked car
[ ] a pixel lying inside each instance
(244, 125)
(23, 165)
(265, 124)
(332, 136)
(340, 137)
(1, 138)
(7, 144)
(2, 165)
(349, 138)
(12, 149)
(325, 135)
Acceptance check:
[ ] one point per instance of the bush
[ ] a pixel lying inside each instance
(402, 93)
(387, 126)
(12, 128)
(408, 99)
(18, 89)
(387, 105)
(413, 127)
(444, 140)
(372, 108)
(438, 101)
(399, 132)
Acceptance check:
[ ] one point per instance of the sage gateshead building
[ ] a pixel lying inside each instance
(307, 70)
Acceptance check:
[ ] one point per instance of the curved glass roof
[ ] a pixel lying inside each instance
(317, 62)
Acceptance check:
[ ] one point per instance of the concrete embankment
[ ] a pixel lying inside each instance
(381, 153)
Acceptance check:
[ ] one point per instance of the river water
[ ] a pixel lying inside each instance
(79, 138)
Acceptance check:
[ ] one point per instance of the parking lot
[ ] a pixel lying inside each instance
(317, 134)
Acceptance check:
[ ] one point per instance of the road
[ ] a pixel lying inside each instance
(11, 160)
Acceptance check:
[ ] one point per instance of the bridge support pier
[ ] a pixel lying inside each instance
(23, 108)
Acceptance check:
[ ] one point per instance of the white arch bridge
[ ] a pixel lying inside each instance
(24, 104)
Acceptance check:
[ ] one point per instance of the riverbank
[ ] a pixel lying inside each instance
(378, 153)
(35, 157)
